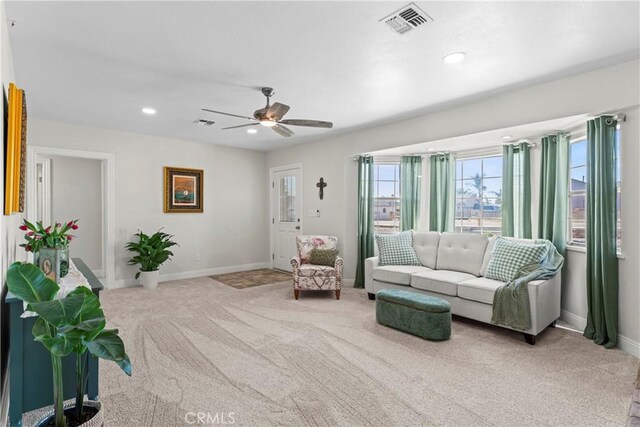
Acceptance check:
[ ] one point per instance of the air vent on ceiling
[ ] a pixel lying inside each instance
(406, 19)
(203, 122)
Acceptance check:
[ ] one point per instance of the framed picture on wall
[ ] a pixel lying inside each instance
(183, 190)
(15, 150)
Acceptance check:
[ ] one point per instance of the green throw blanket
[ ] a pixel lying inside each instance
(511, 301)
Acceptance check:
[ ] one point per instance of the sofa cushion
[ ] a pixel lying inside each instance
(479, 289)
(508, 257)
(492, 242)
(398, 274)
(461, 252)
(440, 281)
(397, 249)
(425, 244)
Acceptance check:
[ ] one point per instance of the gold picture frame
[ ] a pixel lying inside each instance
(15, 142)
(183, 190)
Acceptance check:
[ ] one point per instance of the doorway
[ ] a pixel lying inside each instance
(286, 214)
(66, 184)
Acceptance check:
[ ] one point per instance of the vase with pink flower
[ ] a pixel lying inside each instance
(50, 246)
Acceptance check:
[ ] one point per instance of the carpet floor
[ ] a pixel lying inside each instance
(257, 357)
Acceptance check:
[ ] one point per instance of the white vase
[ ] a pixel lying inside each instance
(149, 279)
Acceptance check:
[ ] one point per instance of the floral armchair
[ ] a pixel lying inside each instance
(310, 277)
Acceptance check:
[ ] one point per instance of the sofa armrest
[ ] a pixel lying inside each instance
(295, 263)
(369, 265)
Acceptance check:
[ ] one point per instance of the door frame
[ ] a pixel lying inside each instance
(108, 198)
(271, 218)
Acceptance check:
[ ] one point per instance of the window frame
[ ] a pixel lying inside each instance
(396, 198)
(581, 247)
(570, 193)
(460, 180)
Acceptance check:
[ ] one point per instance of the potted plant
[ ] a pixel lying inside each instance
(74, 324)
(50, 246)
(152, 251)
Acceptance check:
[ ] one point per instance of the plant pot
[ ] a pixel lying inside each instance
(54, 262)
(149, 279)
(90, 406)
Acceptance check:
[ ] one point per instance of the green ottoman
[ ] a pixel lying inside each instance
(422, 315)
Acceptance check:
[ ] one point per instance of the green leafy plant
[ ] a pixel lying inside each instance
(74, 324)
(152, 251)
(54, 236)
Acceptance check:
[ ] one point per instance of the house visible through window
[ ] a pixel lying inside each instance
(479, 195)
(386, 202)
(577, 213)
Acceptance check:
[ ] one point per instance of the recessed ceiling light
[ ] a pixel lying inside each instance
(507, 137)
(148, 110)
(431, 149)
(454, 58)
(252, 130)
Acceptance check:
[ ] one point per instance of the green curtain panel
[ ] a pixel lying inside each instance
(516, 191)
(602, 261)
(410, 185)
(554, 182)
(442, 200)
(365, 216)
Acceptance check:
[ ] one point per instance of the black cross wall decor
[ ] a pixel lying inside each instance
(321, 184)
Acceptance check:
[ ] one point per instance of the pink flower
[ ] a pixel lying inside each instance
(28, 248)
(23, 227)
(69, 238)
(46, 230)
(30, 233)
(74, 227)
(70, 224)
(58, 225)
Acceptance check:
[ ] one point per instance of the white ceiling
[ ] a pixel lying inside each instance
(98, 63)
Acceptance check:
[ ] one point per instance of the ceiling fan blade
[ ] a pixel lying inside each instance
(284, 131)
(309, 123)
(228, 114)
(241, 126)
(277, 111)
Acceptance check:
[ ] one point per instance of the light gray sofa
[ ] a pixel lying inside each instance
(453, 266)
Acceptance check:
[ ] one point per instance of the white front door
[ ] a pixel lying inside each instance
(287, 211)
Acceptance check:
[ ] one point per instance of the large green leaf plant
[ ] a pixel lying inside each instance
(152, 251)
(74, 324)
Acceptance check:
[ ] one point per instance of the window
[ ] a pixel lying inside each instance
(479, 195)
(386, 202)
(577, 227)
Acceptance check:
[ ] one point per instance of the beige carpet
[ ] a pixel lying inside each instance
(200, 346)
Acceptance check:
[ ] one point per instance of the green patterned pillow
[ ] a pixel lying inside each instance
(396, 249)
(323, 257)
(508, 257)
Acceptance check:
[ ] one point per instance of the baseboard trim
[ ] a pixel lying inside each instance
(578, 322)
(130, 283)
(348, 283)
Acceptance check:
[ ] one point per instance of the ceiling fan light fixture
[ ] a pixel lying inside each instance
(268, 123)
(149, 111)
(252, 131)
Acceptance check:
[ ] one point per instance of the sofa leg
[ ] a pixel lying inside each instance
(530, 339)
(337, 293)
(296, 293)
(371, 296)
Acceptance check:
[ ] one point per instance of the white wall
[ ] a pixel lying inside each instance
(76, 193)
(609, 89)
(231, 234)
(9, 232)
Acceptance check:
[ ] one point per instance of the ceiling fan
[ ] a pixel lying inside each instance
(271, 117)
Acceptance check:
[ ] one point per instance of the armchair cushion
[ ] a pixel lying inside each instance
(323, 256)
(306, 244)
(310, 270)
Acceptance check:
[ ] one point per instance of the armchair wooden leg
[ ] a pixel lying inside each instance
(296, 293)
(337, 293)
(371, 296)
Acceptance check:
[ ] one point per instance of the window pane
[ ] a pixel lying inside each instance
(578, 153)
(458, 169)
(472, 187)
(472, 168)
(287, 199)
(492, 187)
(492, 166)
(579, 178)
(459, 188)
(386, 189)
(386, 172)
